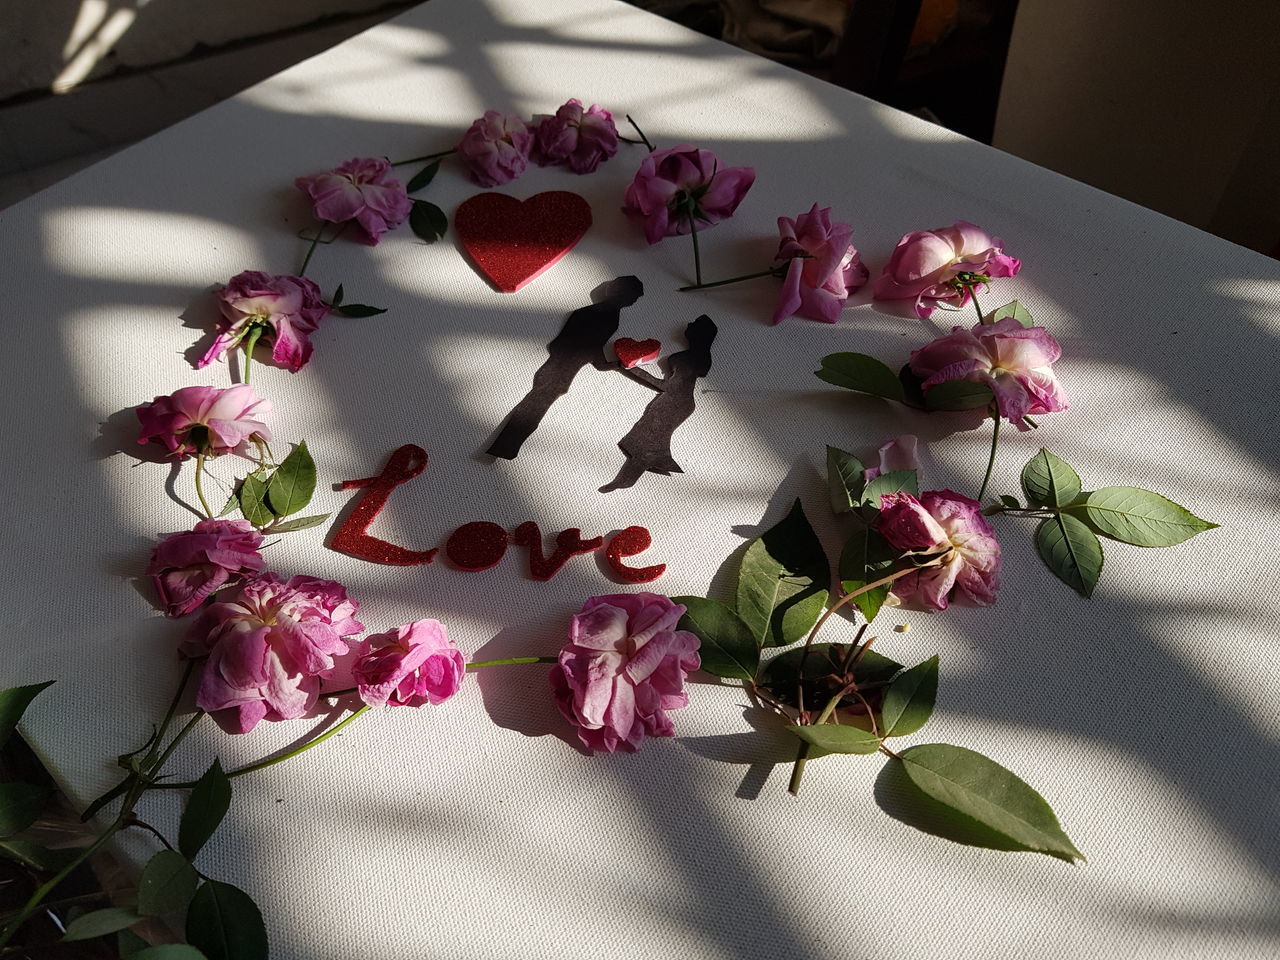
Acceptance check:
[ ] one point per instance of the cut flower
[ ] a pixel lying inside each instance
(186, 568)
(286, 308)
(926, 263)
(823, 266)
(683, 183)
(410, 666)
(948, 532)
(363, 190)
(205, 420)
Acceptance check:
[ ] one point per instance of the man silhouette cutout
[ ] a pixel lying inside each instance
(581, 342)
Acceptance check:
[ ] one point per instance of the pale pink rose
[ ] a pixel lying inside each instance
(495, 148)
(188, 567)
(583, 139)
(623, 669)
(288, 309)
(1014, 361)
(410, 666)
(897, 454)
(363, 190)
(926, 262)
(949, 528)
(205, 420)
(672, 184)
(823, 266)
(268, 646)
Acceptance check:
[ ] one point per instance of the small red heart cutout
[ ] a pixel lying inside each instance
(512, 241)
(634, 352)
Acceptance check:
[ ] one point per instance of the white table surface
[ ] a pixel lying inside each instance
(1149, 717)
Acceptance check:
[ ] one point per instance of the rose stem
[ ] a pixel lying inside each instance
(973, 295)
(429, 156)
(995, 441)
(250, 342)
(773, 272)
(640, 133)
(477, 664)
(697, 257)
(200, 487)
(315, 241)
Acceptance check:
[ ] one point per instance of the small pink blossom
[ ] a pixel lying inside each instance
(188, 567)
(671, 185)
(410, 666)
(947, 528)
(205, 420)
(823, 266)
(363, 190)
(495, 148)
(926, 262)
(583, 139)
(897, 454)
(623, 669)
(288, 309)
(1014, 361)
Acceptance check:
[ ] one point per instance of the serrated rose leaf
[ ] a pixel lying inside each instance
(1015, 310)
(253, 501)
(13, 704)
(844, 479)
(20, 805)
(99, 923)
(1071, 551)
(1048, 480)
(958, 395)
(783, 582)
(1140, 517)
(857, 371)
(167, 884)
(728, 649)
(226, 924)
(834, 738)
(292, 485)
(908, 700)
(207, 805)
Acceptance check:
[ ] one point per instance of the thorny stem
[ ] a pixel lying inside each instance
(995, 442)
(204, 504)
(640, 133)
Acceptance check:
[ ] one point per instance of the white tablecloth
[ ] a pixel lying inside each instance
(1148, 717)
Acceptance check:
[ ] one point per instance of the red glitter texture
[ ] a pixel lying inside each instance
(512, 241)
(632, 353)
(478, 545)
(405, 463)
(627, 543)
(569, 543)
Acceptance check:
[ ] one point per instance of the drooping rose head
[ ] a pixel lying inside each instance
(623, 669)
(410, 666)
(673, 185)
(948, 528)
(186, 568)
(1016, 362)
(823, 266)
(582, 139)
(495, 148)
(925, 264)
(363, 190)
(205, 420)
(286, 309)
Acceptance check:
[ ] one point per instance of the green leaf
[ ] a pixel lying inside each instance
(908, 702)
(170, 951)
(833, 738)
(253, 501)
(300, 523)
(728, 648)
(292, 485)
(20, 804)
(982, 789)
(1015, 310)
(226, 924)
(1010, 502)
(428, 221)
(13, 704)
(844, 479)
(783, 582)
(422, 177)
(1048, 480)
(894, 481)
(129, 944)
(167, 884)
(232, 503)
(866, 557)
(1071, 551)
(35, 856)
(857, 371)
(358, 310)
(823, 669)
(1141, 517)
(337, 297)
(958, 395)
(210, 798)
(99, 923)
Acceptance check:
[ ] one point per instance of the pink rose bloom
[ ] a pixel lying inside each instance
(288, 307)
(944, 526)
(897, 454)
(188, 567)
(582, 139)
(410, 666)
(623, 668)
(205, 420)
(363, 190)
(673, 183)
(1013, 360)
(823, 266)
(269, 646)
(925, 264)
(495, 148)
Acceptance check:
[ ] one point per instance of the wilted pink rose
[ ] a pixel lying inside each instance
(188, 567)
(580, 138)
(269, 645)
(288, 309)
(363, 190)
(926, 262)
(951, 529)
(205, 420)
(495, 148)
(623, 668)
(898, 454)
(410, 666)
(823, 267)
(1013, 360)
(673, 184)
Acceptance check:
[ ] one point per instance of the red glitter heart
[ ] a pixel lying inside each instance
(512, 241)
(633, 352)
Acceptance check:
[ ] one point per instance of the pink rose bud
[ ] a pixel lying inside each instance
(926, 263)
(897, 454)
(410, 666)
(287, 308)
(581, 139)
(623, 669)
(949, 528)
(823, 266)
(674, 184)
(186, 568)
(495, 148)
(363, 190)
(205, 420)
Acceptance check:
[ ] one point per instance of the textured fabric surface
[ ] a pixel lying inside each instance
(1148, 717)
